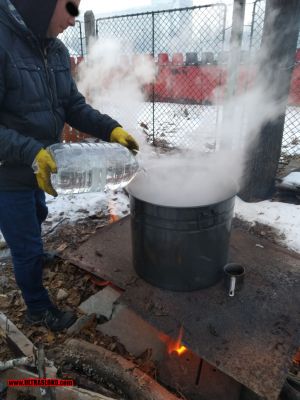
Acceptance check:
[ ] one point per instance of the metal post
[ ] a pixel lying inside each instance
(81, 43)
(282, 20)
(89, 25)
(236, 37)
(153, 90)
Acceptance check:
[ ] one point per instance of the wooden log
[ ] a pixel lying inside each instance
(115, 369)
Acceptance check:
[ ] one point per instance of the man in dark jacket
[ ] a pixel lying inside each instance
(37, 96)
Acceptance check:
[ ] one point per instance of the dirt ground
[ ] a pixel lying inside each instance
(79, 285)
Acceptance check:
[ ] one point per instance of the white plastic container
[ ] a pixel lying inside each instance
(91, 167)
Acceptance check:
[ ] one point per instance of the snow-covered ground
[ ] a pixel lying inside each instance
(174, 123)
(283, 218)
(180, 124)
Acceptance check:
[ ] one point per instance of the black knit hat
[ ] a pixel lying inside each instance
(36, 14)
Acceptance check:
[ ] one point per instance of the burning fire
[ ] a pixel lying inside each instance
(113, 217)
(176, 346)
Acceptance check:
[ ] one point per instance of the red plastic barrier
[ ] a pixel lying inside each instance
(294, 95)
(70, 134)
(163, 84)
(194, 84)
(212, 78)
(163, 59)
(75, 61)
(177, 59)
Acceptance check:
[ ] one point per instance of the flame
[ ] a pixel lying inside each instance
(176, 346)
(182, 349)
(296, 359)
(100, 282)
(103, 283)
(113, 216)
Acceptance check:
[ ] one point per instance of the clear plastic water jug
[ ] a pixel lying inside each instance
(91, 167)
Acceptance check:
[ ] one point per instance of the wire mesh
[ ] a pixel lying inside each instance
(257, 24)
(73, 39)
(185, 45)
(188, 49)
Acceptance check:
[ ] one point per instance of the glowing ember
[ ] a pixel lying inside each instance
(181, 350)
(175, 346)
(113, 217)
(296, 359)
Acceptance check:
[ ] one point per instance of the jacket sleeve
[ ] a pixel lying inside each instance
(86, 119)
(14, 147)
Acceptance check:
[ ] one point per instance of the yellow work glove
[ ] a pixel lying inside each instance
(43, 165)
(119, 135)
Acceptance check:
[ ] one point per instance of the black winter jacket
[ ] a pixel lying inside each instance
(37, 96)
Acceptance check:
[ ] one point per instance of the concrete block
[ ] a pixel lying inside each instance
(101, 303)
(83, 322)
(61, 294)
(134, 333)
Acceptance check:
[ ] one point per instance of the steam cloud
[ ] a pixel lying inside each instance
(113, 77)
(187, 177)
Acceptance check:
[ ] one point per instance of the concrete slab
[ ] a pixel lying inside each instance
(251, 337)
(101, 303)
(81, 323)
(134, 333)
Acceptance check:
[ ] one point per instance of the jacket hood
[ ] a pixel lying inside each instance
(36, 14)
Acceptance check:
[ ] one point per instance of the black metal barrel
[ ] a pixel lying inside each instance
(180, 248)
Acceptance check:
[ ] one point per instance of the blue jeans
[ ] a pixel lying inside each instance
(21, 216)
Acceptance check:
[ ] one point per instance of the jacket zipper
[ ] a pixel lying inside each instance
(45, 60)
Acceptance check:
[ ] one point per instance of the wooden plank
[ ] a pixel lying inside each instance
(20, 343)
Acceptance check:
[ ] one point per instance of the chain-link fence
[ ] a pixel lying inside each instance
(74, 39)
(188, 48)
(257, 25)
(291, 135)
(186, 45)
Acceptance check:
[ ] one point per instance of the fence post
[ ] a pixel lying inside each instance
(89, 25)
(236, 38)
(282, 20)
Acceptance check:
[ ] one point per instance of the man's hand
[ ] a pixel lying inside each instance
(43, 165)
(119, 135)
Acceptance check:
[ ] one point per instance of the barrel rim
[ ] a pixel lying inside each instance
(232, 196)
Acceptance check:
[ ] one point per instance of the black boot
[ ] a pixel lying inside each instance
(49, 258)
(53, 318)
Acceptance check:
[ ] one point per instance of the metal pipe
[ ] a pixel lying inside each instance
(17, 362)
